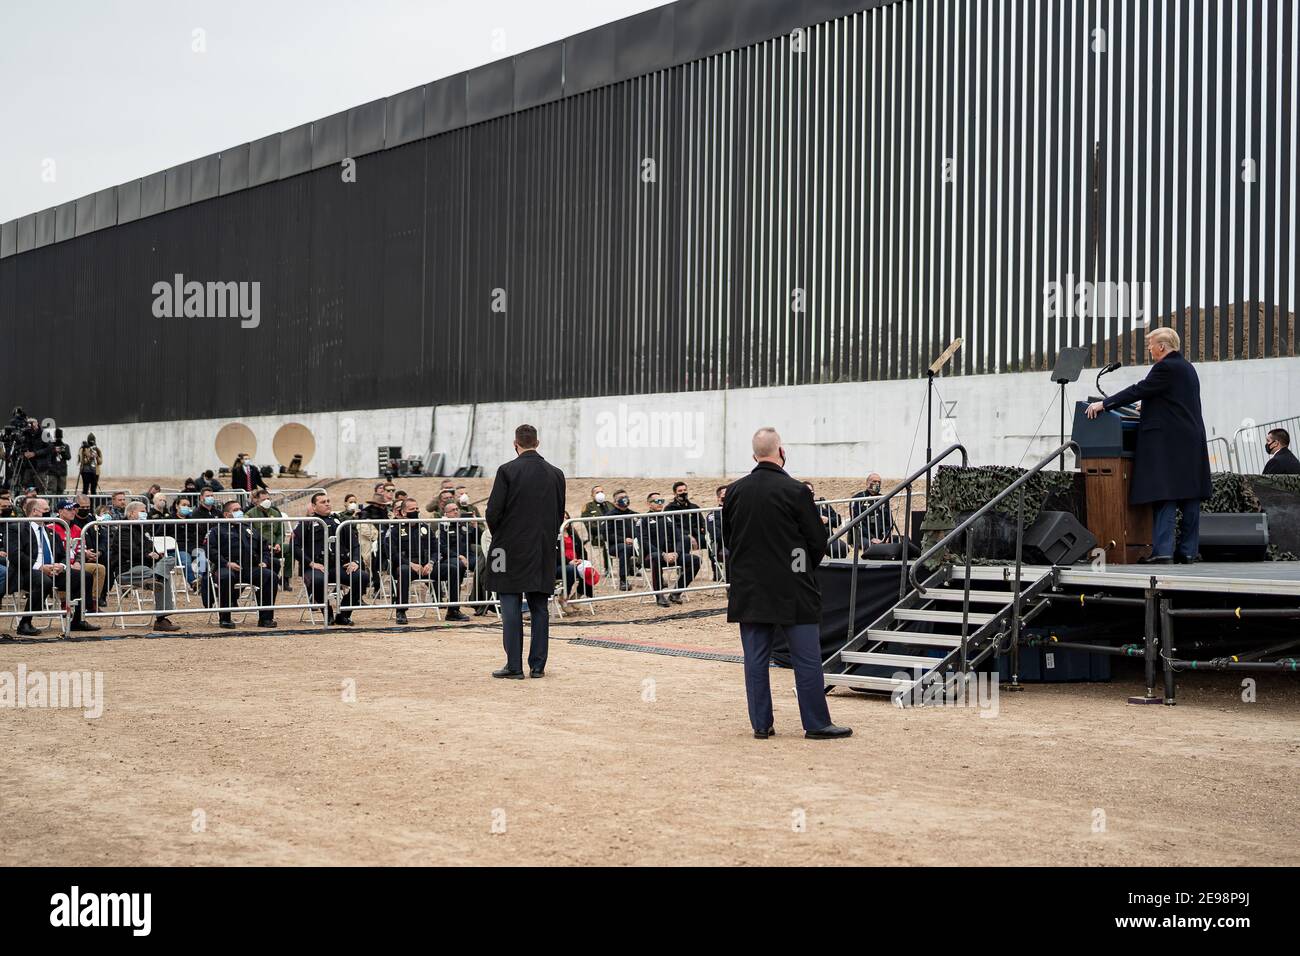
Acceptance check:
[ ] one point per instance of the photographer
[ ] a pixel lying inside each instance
(89, 460)
(57, 464)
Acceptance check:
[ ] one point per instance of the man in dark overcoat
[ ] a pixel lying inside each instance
(775, 541)
(1171, 467)
(524, 513)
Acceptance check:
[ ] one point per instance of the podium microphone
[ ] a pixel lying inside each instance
(1106, 371)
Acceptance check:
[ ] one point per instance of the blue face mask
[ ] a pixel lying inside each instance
(186, 510)
(236, 513)
(209, 501)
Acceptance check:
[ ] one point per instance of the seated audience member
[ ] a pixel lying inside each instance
(875, 529)
(209, 482)
(158, 508)
(189, 541)
(467, 509)
(274, 531)
(713, 528)
(411, 549)
(117, 506)
(665, 545)
(575, 570)
(1282, 461)
(692, 525)
(832, 520)
(7, 509)
(436, 505)
(134, 561)
(377, 508)
(79, 556)
(39, 565)
(597, 507)
(621, 532)
(309, 551)
(458, 555)
(237, 554)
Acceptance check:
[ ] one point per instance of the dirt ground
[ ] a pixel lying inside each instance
(242, 749)
(380, 745)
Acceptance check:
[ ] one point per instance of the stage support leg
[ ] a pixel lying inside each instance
(1150, 642)
(1167, 648)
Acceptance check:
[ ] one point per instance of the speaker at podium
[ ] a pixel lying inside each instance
(1107, 446)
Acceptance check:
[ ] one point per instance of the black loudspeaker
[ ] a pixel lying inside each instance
(1229, 537)
(1057, 538)
(891, 551)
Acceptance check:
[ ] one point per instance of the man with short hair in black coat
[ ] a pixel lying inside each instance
(1282, 460)
(524, 513)
(239, 555)
(1171, 469)
(775, 541)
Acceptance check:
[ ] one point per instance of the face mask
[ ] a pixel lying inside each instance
(209, 501)
(186, 511)
(464, 499)
(622, 502)
(600, 497)
(140, 516)
(353, 506)
(236, 513)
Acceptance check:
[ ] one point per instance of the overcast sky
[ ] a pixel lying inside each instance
(111, 90)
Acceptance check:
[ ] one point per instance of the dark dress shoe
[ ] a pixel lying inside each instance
(341, 621)
(675, 598)
(84, 625)
(25, 629)
(624, 586)
(401, 617)
(508, 674)
(457, 615)
(764, 734)
(829, 732)
(661, 600)
(1155, 559)
(266, 622)
(162, 624)
(227, 624)
(1184, 559)
(480, 611)
(537, 672)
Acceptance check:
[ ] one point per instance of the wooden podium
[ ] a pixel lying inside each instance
(1123, 530)
(1107, 445)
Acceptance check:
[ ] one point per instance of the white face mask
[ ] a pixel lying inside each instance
(464, 499)
(600, 497)
(353, 506)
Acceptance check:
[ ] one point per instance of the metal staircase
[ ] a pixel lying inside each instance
(942, 628)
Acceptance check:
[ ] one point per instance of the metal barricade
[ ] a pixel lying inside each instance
(417, 563)
(24, 564)
(1220, 452)
(638, 545)
(225, 562)
(1248, 443)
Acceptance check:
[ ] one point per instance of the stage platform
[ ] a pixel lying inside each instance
(1272, 578)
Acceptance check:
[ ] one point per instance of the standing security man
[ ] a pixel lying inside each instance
(1171, 470)
(524, 513)
(775, 540)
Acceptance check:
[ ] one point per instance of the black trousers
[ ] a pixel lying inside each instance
(356, 583)
(40, 586)
(261, 578)
(90, 482)
(690, 565)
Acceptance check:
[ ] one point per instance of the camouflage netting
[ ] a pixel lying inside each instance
(959, 491)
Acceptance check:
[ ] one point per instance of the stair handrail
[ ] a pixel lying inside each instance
(906, 483)
(985, 509)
